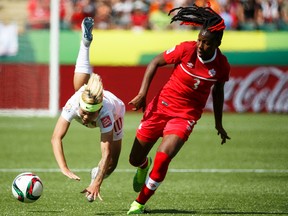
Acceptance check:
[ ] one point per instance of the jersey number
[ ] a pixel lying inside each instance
(196, 84)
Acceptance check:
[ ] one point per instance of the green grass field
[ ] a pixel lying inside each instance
(246, 176)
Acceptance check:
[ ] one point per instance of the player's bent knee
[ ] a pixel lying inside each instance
(135, 161)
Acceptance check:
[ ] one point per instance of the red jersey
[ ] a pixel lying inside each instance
(185, 94)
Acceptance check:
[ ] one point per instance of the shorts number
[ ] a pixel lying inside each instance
(196, 84)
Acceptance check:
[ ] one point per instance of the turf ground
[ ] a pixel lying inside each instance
(246, 176)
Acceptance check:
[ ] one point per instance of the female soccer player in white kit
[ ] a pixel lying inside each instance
(91, 106)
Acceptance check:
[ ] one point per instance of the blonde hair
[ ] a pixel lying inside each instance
(93, 93)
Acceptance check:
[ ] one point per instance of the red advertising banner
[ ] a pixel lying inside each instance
(24, 86)
(250, 89)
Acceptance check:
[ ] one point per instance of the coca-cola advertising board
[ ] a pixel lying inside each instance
(250, 88)
(256, 89)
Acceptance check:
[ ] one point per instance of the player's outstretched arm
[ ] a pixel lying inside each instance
(140, 100)
(60, 130)
(218, 101)
(93, 191)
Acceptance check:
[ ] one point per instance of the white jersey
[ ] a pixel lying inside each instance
(112, 110)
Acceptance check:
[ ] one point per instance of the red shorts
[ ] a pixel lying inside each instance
(158, 125)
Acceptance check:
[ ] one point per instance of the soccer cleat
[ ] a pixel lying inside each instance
(87, 27)
(94, 172)
(140, 176)
(136, 208)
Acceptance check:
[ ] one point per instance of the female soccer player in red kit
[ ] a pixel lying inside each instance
(198, 66)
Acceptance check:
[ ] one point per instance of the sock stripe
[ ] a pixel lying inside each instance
(151, 184)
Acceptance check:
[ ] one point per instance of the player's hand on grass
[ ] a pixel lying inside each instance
(223, 134)
(92, 194)
(70, 174)
(138, 102)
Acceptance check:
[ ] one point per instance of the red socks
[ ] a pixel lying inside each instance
(156, 176)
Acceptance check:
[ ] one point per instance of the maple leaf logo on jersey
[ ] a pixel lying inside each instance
(106, 121)
(190, 65)
(212, 72)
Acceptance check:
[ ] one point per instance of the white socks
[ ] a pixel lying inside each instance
(83, 60)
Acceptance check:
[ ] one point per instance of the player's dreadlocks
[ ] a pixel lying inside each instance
(199, 16)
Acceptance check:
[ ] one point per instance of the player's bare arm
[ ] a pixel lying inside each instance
(93, 191)
(140, 100)
(218, 101)
(60, 131)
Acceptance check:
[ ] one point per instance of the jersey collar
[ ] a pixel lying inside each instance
(209, 60)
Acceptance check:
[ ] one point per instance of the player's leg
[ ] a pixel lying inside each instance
(139, 152)
(148, 132)
(168, 148)
(79, 80)
(138, 158)
(83, 68)
(176, 133)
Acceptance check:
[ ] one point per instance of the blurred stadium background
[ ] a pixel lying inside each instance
(246, 176)
(127, 34)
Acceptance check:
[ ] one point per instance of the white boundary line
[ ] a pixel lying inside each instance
(25, 112)
(3, 170)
